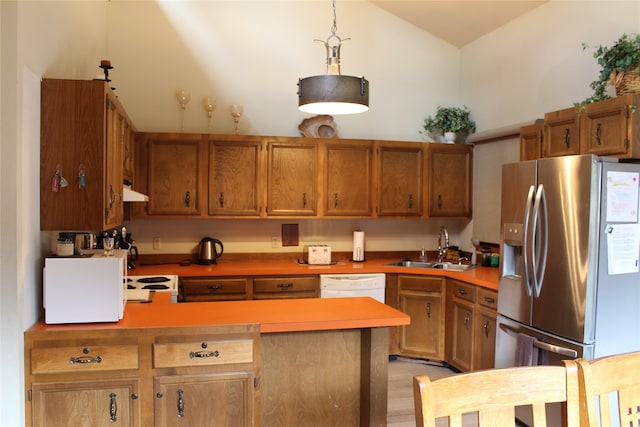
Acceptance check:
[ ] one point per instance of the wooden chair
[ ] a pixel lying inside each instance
(493, 394)
(606, 382)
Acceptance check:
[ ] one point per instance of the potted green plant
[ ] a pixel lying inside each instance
(449, 120)
(620, 68)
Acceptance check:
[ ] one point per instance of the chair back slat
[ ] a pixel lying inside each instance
(493, 394)
(606, 383)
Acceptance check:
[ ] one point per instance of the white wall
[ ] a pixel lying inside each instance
(536, 64)
(253, 53)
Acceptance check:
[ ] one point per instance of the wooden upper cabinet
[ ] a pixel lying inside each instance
(610, 128)
(292, 178)
(176, 174)
(561, 133)
(234, 176)
(81, 145)
(450, 179)
(399, 178)
(347, 178)
(531, 138)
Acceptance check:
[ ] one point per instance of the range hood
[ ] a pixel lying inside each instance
(130, 195)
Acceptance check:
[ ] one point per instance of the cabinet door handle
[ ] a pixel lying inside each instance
(599, 134)
(221, 199)
(187, 199)
(335, 200)
(285, 285)
(113, 408)
(467, 319)
(485, 327)
(567, 137)
(410, 201)
(85, 359)
(304, 200)
(180, 403)
(202, 354)
(439, 201)
(428, 310)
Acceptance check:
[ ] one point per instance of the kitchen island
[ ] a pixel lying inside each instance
(273, 362)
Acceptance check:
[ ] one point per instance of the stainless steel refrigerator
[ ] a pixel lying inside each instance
(569, 278)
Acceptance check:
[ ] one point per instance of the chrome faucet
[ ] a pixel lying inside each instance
(442, 249)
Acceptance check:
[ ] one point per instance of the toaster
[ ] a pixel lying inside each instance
(317, 254)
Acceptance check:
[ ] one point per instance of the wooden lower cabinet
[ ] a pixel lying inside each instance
(486, 315)
(286, 287)
(422, 298)
(96, 403)
(471, 326)
(187, 376)
(460, 324)
(198, 289)
(204, 400)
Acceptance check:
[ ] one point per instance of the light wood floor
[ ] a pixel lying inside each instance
(400, 412)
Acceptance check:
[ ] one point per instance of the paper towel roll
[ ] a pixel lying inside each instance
(358, 246)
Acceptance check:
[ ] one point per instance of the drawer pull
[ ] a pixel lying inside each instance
(180, 403)
(113, 408)
(285, 285)
(204, 354)
(85, 359)
(462, 291)
(489, 300)
(214, 287)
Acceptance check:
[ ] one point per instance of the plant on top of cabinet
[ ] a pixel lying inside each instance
(620, 68)
(450, 120)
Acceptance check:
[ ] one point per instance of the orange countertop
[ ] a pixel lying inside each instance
(482, 276)
(287, 315)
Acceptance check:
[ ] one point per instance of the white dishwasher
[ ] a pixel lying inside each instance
(352, 285)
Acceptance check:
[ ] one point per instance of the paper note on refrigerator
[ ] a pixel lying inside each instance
(623, 244)
(622, 196)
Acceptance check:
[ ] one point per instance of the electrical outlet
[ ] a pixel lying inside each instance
(275, 242)
(156, 243)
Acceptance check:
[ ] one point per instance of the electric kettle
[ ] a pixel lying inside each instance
(208, 252)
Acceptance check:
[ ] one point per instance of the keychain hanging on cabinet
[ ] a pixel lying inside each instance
(58, 182)
(82, 183)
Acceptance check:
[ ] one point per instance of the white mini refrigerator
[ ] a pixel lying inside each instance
(85, 289)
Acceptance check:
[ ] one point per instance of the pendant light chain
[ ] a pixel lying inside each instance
(334, 28)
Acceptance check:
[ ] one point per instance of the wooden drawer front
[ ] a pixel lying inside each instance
(462, 290)
(84, 359)
(203, 353)
(488, 298)
(420, 283)
(285, 284)
(212, 288)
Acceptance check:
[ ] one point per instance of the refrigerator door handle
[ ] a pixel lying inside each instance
(541, 344)
(556, 349)
(541, 225)
(527, 247)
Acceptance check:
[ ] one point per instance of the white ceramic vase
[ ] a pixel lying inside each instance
(450, 137)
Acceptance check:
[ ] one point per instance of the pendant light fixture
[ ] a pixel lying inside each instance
(333, 93)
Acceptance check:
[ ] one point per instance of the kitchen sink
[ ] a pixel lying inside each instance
(432, 265)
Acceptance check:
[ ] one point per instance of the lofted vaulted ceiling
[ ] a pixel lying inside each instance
(458, 22)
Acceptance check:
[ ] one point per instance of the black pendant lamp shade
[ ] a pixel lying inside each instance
(333, 93)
